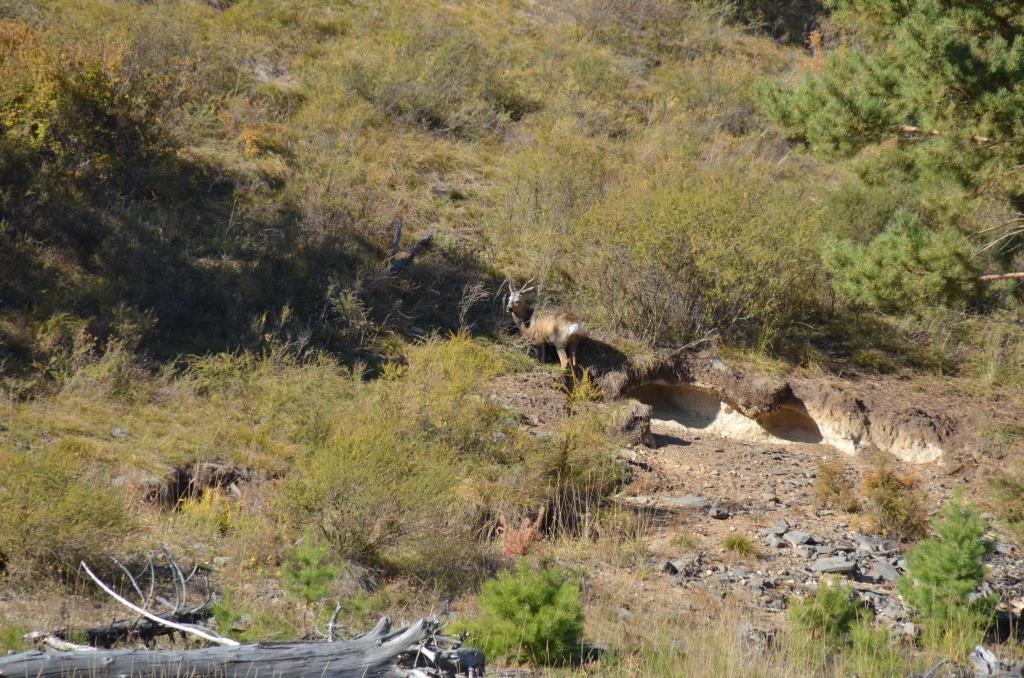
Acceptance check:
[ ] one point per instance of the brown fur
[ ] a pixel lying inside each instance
(547, 327)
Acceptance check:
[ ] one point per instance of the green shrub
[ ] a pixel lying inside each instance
(248, 625)
(908, 267)
(829, 614)
(676, 257)
(832, 628)
(55, 512)
(894, 505)
(740, 545)
(530, 615)
(11, 639)
(308, 572)
(944, 571)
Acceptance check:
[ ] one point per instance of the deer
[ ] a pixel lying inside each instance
(562, 329)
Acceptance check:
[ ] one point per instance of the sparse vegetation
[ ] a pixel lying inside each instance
(894, 504)
(740, 545)
(1006, 497)
(833, 489)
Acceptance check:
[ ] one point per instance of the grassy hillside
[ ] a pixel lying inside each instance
(198, 201)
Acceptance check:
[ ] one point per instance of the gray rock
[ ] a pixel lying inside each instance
(893, 610)
(1003, 548)
(866, 541)
(774, 541)
(778, 530)
(118, 432)
(719, 513)
(885, 571)
(835, 564)
(907, 629)
(805, 551)
(824, 550)
(796, 537)
(688, 501)
(675, 566)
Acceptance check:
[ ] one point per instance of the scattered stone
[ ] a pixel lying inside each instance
(797, 538)
(1003, 548)
(624, 614)
(675, 566)
(719, 513)
(805, 551)
(836, 564)
(866, 541)
(774, 541)
(885, 571)
(688, 501)
(119, 433)
(986, 663)
(906, 629)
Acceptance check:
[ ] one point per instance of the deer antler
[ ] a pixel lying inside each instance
(502, 286)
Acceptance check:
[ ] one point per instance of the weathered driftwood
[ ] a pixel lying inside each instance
(378, 653)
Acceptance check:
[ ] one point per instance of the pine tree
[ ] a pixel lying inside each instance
(531, 615)
(944, 571)
(934, 89)
(308, 572)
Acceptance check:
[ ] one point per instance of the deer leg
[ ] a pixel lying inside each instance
(572, 356)
(542, 353)
(563, 359)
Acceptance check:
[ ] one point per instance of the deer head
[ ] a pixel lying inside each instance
(516, 303)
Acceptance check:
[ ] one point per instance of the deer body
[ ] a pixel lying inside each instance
(561, 329)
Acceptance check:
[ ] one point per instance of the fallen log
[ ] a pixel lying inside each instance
(379, 653)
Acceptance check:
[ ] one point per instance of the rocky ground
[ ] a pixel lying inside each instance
(732, 454)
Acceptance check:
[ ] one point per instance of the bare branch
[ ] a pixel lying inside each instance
(184, 628)
(330, 624)
(131, 579)
(42, 640)
(1017, 275)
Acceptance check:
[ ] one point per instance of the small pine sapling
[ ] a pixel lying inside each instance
(308, 572)
(945, 571)
(530, 615)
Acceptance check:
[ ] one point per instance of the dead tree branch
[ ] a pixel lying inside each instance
(184, 628)
(413, 651)
(1017, 275)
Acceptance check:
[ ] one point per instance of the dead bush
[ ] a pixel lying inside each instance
(895, 506)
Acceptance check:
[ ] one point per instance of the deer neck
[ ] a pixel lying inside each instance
(521, 321)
